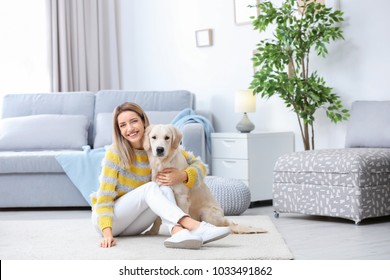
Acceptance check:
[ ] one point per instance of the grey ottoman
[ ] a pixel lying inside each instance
(351, 183)
(233, 195)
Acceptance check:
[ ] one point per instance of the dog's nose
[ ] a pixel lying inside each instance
(160, 151)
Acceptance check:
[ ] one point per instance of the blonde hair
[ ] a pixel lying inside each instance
(125, 150)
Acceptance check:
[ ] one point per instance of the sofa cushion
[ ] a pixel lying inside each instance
(61, 103)
(104, 124)
(354, 167)
(103, 127)
(31, 162)
(161, 117)
(44, 132)
(107, 100)
(369, 125)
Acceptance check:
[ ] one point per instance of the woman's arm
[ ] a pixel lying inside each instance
(108, 238)
(196, 171)
(172, 176)
(191, 176)
(107, 190)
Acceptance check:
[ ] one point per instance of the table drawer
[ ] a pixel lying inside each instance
(230, 148)
(230, 168)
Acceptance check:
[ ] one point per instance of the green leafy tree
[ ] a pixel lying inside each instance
(283, 61)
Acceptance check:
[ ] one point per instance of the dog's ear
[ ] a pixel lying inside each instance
(177, 136)
(146, 143)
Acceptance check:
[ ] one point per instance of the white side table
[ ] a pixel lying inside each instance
(250, 157)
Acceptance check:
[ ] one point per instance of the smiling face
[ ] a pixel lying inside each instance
(132, 128)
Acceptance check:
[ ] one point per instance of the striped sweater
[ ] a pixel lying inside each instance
(116, 181)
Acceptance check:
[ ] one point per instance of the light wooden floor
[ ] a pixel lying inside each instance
(323, 238)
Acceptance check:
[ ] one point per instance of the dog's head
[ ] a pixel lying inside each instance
(161, 139)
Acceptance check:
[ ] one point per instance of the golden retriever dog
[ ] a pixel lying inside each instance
(162, 144)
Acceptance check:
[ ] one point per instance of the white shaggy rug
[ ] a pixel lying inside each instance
(69, 235)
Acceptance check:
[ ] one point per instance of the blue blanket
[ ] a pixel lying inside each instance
(83, 169)
(188, 116)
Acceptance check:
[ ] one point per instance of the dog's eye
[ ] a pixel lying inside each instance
(166, 137)
(154, 137)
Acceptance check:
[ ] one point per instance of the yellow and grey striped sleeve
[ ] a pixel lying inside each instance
(196, 171)
(107, 190)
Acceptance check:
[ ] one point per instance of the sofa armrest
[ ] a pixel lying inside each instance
(194, 137)
(205, 113)
(194, 140)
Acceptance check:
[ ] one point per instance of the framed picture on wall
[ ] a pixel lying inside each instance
(204, 38)
(334, 4)
(244, 9)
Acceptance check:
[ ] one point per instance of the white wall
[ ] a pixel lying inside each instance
(23, 49)
(159, 53)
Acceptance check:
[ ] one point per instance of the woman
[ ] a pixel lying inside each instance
(127, 202)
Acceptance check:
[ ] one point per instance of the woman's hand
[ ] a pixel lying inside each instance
(108, 239)
(171, 176)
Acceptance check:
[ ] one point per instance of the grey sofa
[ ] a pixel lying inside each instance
(36, 127)
(351, 183)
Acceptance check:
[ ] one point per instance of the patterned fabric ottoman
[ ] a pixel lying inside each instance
(233, 195)
(351, 183)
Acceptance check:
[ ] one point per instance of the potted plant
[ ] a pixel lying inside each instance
(283, 61)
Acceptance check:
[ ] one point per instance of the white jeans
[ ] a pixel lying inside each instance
(135, 211)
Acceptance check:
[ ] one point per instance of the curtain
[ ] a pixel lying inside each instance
(83, 51)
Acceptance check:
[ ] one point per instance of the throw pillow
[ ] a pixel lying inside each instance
(43, 132)
(83, 169)
(103, 130)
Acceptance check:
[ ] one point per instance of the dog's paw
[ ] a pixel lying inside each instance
(151, 232)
